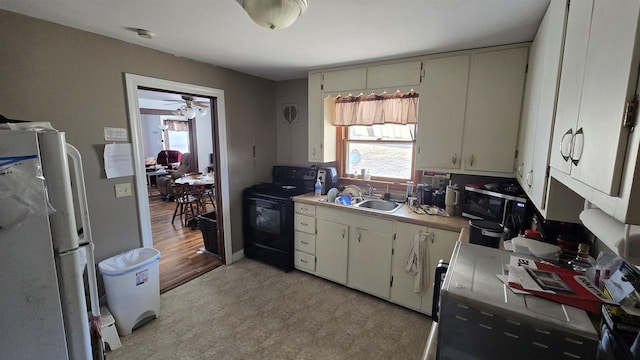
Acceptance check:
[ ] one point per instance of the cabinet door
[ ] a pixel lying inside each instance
(341, 80)
(370, 262)
(539, 103)
(392, 75)
(611, 71)
(403, 283)
(494, 98)
(571, 80)
(316, 129)
(332, 249)
(441, 113)
(440, 247)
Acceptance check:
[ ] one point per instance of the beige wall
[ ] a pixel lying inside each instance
(74, 79)
(292, 145)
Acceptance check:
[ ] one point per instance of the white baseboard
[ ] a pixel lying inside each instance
(237, 256)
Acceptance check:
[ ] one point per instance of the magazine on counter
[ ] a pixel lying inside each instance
(552, 282)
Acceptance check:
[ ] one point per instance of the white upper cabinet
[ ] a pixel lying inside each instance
(494, 99)
(443, 96)
(349, 79)
(470, 112)
(321, 133)
(598, 80)
(392, 75)
(536, 124)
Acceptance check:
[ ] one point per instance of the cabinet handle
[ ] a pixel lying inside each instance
(343, 233)
(567, 148)
(454, 158)
(304, 224)
(314, 151)
(521, 170)
(471, 160)
(530, 178)
(577, 146)
(304, 242)
(304, 261)
(358, 236)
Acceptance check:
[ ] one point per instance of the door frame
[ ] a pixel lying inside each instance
(132, 83)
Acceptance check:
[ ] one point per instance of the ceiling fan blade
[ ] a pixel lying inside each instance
(202, 104)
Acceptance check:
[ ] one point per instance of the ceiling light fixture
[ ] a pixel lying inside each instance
(274, 14)
(190, 111)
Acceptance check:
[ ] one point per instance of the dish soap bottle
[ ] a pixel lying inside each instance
(318, 188)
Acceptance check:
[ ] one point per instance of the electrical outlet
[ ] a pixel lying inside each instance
(123, 190)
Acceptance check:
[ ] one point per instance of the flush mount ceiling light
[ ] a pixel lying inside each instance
(274, 14)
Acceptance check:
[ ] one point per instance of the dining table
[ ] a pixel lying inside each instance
(199, 185)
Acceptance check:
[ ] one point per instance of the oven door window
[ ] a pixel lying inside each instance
(265, 217)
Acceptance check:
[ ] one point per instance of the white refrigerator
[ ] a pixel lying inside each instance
(43, 306)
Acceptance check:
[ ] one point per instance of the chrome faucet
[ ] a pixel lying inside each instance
(370, 190)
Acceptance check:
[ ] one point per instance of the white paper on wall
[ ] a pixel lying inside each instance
(118, 160)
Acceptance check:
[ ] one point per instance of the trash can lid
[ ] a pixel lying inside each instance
(128, 261)
(486, 225)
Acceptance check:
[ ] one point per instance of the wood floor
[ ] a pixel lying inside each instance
(181, 258)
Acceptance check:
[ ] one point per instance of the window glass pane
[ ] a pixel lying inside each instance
(384, 160)
(178, 140)
(382, 132)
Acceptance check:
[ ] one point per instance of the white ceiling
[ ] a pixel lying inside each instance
(329, 33)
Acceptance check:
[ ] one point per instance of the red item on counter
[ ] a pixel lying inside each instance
(533, 234)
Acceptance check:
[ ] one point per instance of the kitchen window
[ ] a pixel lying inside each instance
(377, 133)
(386, 150)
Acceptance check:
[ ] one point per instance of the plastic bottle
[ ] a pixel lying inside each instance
(318, 188)
(582, 262)
(409, 189)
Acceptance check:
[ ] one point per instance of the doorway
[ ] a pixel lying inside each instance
(216, 96)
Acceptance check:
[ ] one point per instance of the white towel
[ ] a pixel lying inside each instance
(418, 261)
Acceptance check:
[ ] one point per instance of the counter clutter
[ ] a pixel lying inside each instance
(404, 214)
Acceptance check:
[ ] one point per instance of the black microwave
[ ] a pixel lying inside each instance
(511, 211)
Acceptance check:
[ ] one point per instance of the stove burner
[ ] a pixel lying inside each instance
(288, 187)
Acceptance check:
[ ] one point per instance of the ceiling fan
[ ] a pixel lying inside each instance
(191, 107)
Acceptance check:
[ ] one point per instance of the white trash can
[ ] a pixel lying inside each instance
(132, 285)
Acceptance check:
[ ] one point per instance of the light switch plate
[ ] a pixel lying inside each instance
(123, 190)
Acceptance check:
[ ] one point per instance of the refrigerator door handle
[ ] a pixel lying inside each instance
(86, 237)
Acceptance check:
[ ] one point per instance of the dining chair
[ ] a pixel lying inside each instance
(211, 194)
(185, 202)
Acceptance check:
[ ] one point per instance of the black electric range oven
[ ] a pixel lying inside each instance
(267, 215)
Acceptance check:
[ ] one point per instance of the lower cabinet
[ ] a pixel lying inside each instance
(439, 245)
(402, 290)
(370, 254)
(332, 249)
(370, 260)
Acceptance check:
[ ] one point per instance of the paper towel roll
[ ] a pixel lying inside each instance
(612, 233)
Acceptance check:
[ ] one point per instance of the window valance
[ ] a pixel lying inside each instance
(397, 108)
